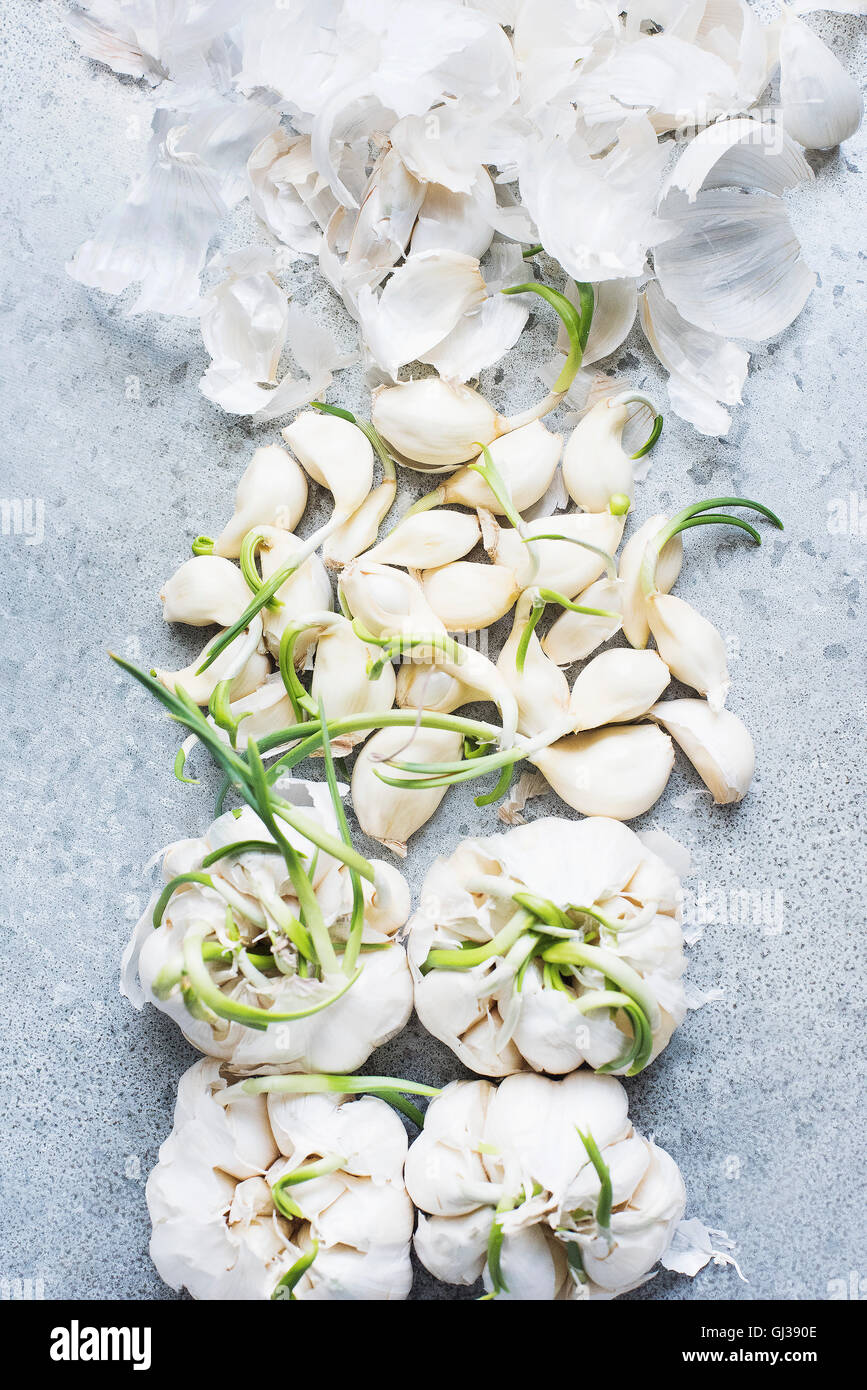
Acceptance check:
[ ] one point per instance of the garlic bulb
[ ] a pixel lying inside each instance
(467, 596)
(427, 539)
(595, 465)
(336, 454)
(619, 771)
(635, 624)
(616, 686)
(487, 982)
(691, 647)
(272, 492)
(220, 988)
(242, 662)
(540, 688)
(821, 104)
(341, 681)
(390, 814)
(434, 424)
(575, 636)
(508, 1191)
(562, 565)
(226, 1228)
(717, 743)
(308, 590)
(526, 460)
(204, 590)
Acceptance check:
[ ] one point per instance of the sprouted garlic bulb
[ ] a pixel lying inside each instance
(307, 590)
(568, 552)
(597, 471)
(539, 686)
(336, 454)
(341, 678)
(272, 492)
(538, 949)
(635, 625)
(387, 602)
(283, 1187)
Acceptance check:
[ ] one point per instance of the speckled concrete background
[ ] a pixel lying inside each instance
(757, 1096)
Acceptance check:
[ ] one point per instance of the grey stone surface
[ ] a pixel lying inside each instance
(103, 423)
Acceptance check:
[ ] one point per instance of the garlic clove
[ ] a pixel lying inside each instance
(242, 662)
(617, 686)
(386, 601)
(336, 454)
(265, 711)
(541, 689)
(454, 1248)
(717, 743)
(272, 492)
(341, 681)
(204, 590)
(433, 425)
(635, 624)
(618, 772)
(691, 647)
(308, 590)
(427, 540)
(821, 104)
(575, 635)
(467, 596)
(526, 460)
(562, 565)
(422, 686)
(595, 465)
(360, 530)
(390, 814)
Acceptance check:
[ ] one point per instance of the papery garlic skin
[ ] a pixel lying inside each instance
(467, 596)
(595, 465)
(434, 426)
(575, 636)
(390, 814)
(635, 624)
(338, 1038)
(821, 104)
(620, 771)
(717, 743)
(272, 492)
(562, 565)
(427, 539)
(204, 590)
(336, 454)
(216, 1230)
(526, 460)
(615, 687)
(521, 1140)
(496, 1028)
(690, 645)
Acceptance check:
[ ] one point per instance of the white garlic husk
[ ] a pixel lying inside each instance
(242, 662)
(496, 1023)
(216, 1229)
(387, 602)
(820, 103)
(204, 590)
(717, 743)
(519, 1145)
(272, 492)
(308, 590)
(615, 687)
(635, 624)
(619, 771)
(391, 814)
(690, 645)
(561, 565)
(256, 885)
(596, 468)
(540, 688)
(336, 454)
(427, 540)
(525, 459)
(467, 596)
(575, 636)
(341, 681)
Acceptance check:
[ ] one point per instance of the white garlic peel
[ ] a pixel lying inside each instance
(216, 1229)
(717, 743)
(255, 884)
(519, 1145)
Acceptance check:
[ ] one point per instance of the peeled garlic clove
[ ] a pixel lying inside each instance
(340, 679)
(432, 424)
(272, 492)
(562, 565)
(541, 689)
(595, 466)
(308, 590)
(266, 711)
(575, 635)
(691, 647)
(204, 590)
(617, 686)
(526, 460)
(430, 687)
(386, 601)
(336, 454)
(467, 596)
(618, 772)
(821, 104)
(241, 662)
(635, 624)
(390, 814)
(717, 743)
(359, 532)
(427, 540)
